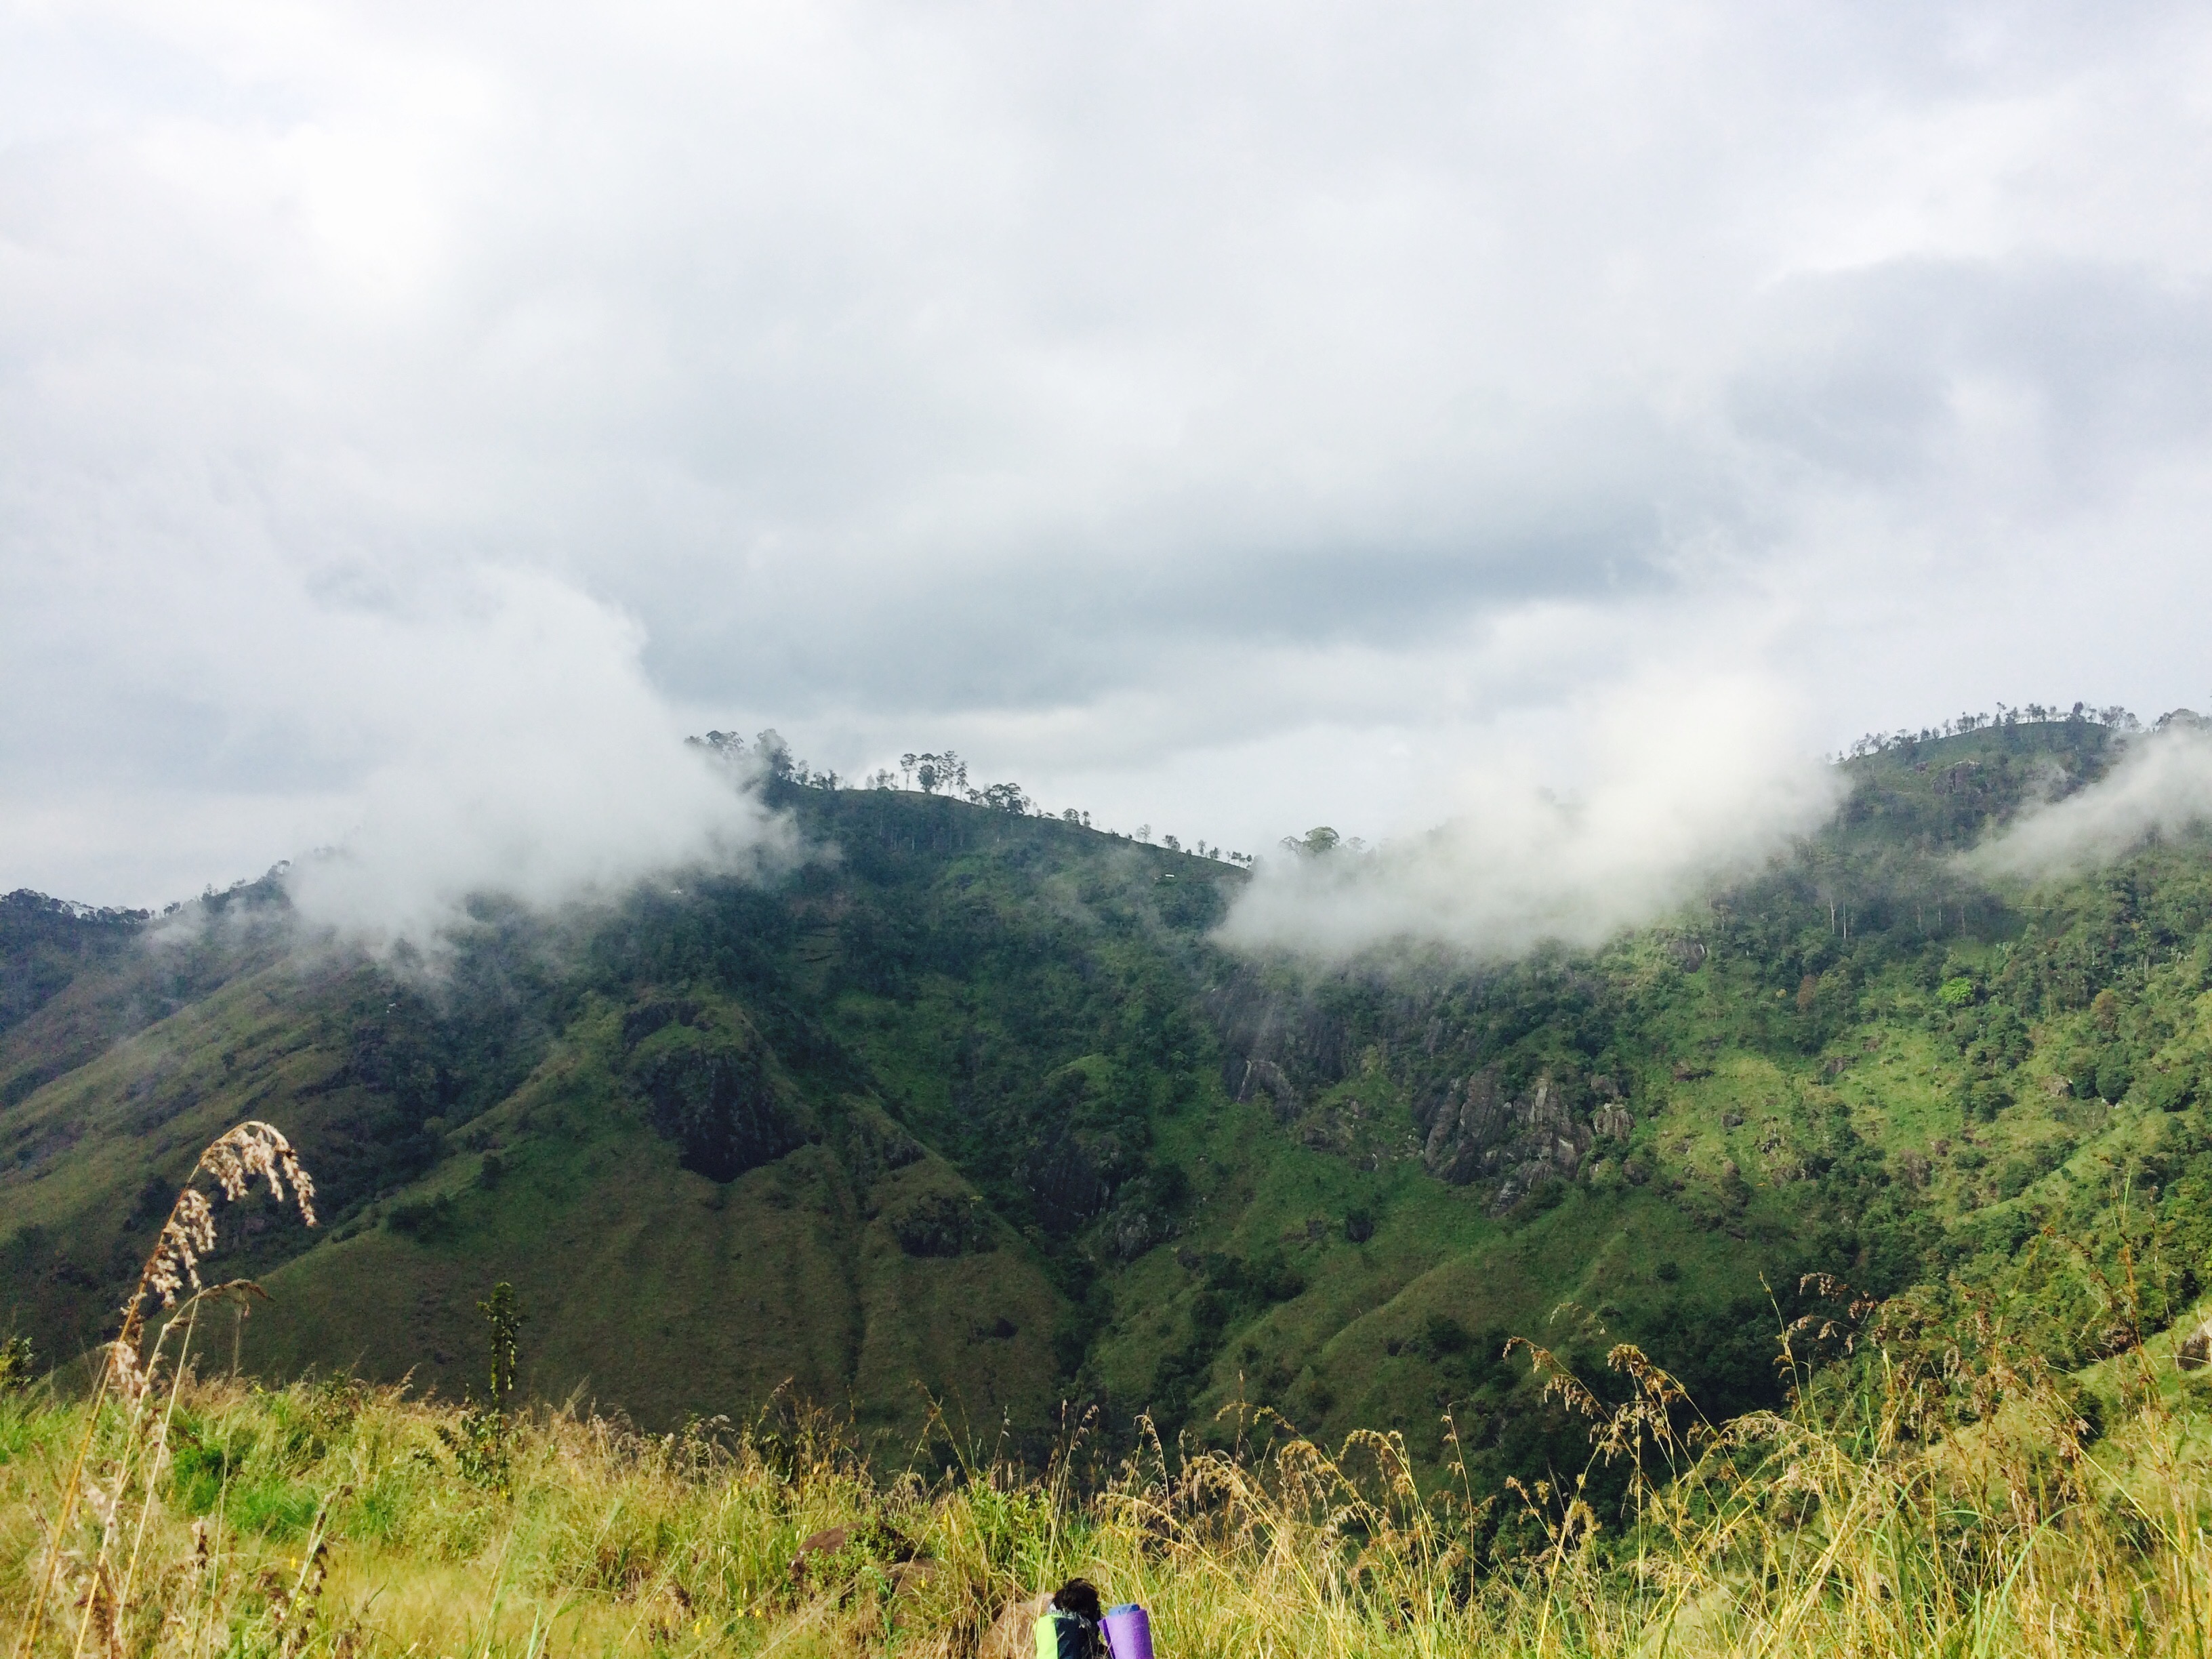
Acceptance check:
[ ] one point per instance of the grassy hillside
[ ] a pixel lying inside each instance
(965, 1108)
(1939, 1493)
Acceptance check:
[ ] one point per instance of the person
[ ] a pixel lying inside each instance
(1068, 1627)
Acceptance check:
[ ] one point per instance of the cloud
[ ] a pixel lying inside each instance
(1685, 783)
(522, 753)
(1163, 392)
(2161, 785)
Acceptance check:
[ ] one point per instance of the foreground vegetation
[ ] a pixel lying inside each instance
(1928, 1491)
(1930, 1487)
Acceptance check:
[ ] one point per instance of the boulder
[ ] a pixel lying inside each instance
(828, 1542)
(866, 1541)
(1013, 1634)
(2195, 1350)
(908, 1578)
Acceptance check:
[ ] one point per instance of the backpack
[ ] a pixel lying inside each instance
(1064, 1635)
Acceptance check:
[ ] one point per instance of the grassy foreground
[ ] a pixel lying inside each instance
(1931, 1488)
(1922, 1496)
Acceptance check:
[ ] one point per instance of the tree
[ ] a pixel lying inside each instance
(725, 747)
(480, 1443)
(946, 771)
(774, 753)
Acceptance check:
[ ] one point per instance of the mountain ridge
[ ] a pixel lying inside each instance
(975, 1116)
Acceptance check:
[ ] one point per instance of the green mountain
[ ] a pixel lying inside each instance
(965, 1108)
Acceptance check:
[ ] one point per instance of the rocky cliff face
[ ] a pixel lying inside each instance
(1275, 1045)
(1283, 1048)
(711, 1085)
(1475, 1132)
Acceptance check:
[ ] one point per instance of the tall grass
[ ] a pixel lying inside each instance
(123, 1492)
(1930, 1489)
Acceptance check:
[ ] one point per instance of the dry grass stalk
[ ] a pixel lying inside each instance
(1836, 1526)
(1932, 1488)
(251, 1151)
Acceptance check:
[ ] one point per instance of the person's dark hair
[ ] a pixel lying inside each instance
(1079, 1595)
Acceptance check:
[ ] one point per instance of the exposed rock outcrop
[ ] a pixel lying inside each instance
(1260, 1078)
(2195, 1350)
(1066, 1182)
(1475, 1133)
(706, 1075)
(1275, 1043)
(938, 1224)
(875, 1147)
(1073, 1176)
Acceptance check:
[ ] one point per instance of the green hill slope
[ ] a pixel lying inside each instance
(965, 1108)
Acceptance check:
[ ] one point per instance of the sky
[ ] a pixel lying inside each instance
(1225, 418)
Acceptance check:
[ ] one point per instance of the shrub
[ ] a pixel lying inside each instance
(429, 1219)
(2114, 1075)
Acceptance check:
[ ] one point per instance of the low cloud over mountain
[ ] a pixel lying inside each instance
(1682, 784)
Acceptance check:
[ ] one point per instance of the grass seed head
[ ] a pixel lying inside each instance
(257, 1149)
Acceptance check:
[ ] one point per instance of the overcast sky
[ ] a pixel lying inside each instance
(1225, 418)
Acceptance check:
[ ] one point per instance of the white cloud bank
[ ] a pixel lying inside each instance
(523, 753)
(1190, 411)
(1683, 784)
(2161, 787)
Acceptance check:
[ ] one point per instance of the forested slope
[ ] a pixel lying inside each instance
(965, 1106)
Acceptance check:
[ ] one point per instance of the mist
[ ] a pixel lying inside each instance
(1680, 785)
(523, 753)
(2162, 785)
